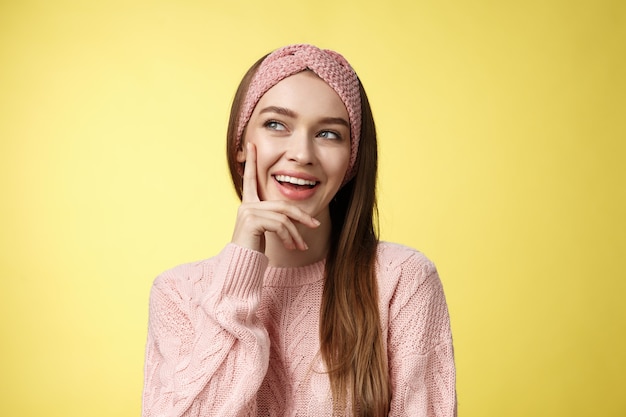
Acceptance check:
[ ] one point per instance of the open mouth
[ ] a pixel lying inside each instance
(295, 183)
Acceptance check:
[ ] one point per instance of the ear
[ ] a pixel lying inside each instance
(241, 155)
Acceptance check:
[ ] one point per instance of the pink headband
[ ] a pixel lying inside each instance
(326, 64)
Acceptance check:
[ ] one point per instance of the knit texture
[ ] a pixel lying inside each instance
(329, 65)
(230, 336)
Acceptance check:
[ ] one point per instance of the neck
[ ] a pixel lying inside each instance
(318, 241)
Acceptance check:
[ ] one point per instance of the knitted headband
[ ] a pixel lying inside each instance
(330, 66)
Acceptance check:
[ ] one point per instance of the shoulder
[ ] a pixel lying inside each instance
(402, 269)
(182, 280)
(189, 279)
(404, 259)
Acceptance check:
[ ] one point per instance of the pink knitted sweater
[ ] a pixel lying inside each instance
(230, 336)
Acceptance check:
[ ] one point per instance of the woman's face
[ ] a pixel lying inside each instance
(301, 131)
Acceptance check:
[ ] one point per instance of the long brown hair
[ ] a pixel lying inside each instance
(351, 339)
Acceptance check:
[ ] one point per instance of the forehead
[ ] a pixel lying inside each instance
(304, 92)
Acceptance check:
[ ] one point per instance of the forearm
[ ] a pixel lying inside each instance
(207, 353)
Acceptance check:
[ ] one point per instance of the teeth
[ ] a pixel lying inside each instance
(294, 180)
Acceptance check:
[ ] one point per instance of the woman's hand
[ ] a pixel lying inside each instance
(255, 217)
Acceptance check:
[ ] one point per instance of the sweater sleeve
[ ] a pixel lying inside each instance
(207, 353)
(421, 357)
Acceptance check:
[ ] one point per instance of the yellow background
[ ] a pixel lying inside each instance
(502, 139)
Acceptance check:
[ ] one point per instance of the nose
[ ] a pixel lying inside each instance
(300, 148)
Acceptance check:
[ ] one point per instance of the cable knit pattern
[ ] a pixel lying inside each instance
(230, 336)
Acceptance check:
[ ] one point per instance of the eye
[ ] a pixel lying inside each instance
(329, 134)
(274, 125)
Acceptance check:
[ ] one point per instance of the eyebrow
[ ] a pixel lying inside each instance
(280, 110)
(290, 113)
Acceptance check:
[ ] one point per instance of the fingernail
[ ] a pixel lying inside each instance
(316, 222)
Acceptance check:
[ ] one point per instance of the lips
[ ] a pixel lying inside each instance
(286, 179)
(296, 186)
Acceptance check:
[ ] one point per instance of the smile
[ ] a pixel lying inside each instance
(286, 179)
(296, 188)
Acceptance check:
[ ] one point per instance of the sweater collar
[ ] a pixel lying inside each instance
(294, 276)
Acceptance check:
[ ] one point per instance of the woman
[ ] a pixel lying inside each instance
(304, 312)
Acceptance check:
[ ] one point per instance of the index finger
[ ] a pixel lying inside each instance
(249, 193)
